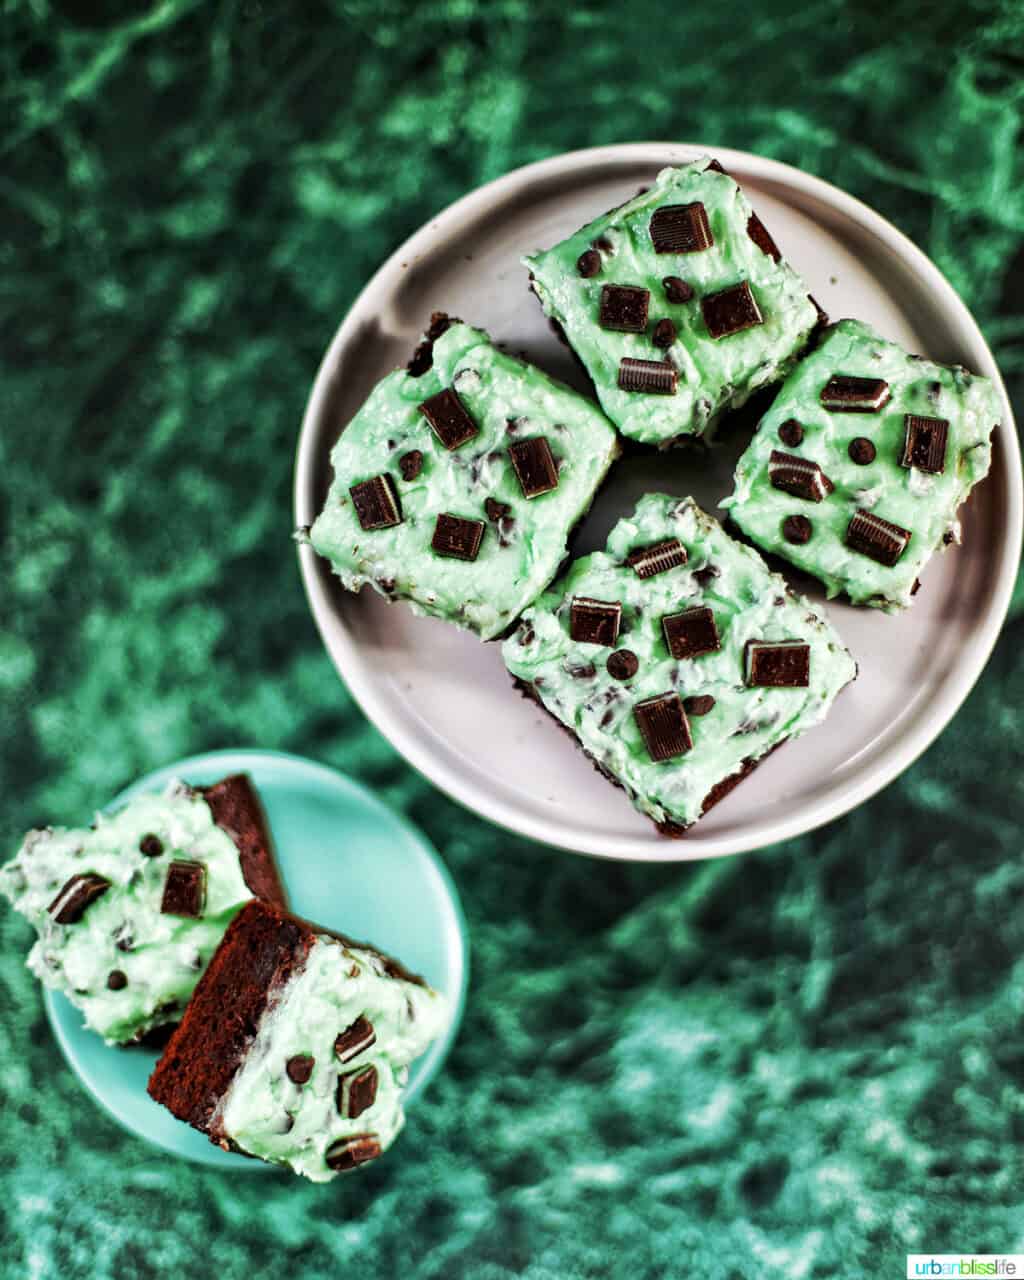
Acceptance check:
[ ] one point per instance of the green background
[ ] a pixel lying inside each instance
(801, 1062)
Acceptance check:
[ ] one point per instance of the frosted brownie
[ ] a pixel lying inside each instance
(678, 303)
(677, 659)
(129, 912)
(856, 472)
(296, 1046)
(457, 483)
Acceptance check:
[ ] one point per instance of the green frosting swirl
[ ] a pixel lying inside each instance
(161, 956)
(748, 602)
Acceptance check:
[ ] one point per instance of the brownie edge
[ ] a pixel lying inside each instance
(236, 809)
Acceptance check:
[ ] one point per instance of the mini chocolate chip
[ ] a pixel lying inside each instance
(623, 664)
(676, 289)
(410, 464)
(299, 1068)
(496, 510)
(116, 980)
(791, 433)
(699, 705)
(664, 334)
(589, 263)
(796, 529)
(861, 451)
(604, 244)
(152, 846)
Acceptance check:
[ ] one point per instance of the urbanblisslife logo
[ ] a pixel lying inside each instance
(965, 1264)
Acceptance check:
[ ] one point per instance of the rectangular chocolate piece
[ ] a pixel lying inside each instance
(778, 664)
(798, 476)
(844, 393)
(730, 311)
(624, 308)
(595, 621)
(184, 889)
(681, 228)
(356, 1092)
(347, 1153)
(663, 726)
(758, 232)
(925, 444)
(376, 503)
(449, 419)
(351, 1042)
(690, 633)
(78, 893)
(872, 536)
(647, 561)
(457, 538)
(534, 466)
(655, 377)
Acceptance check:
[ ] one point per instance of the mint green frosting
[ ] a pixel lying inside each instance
(714, 375)
(924, 503)
(268, 1115)
(509, 401)
(163, 956)
(748, 602)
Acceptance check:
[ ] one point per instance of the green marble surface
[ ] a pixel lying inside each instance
(798, 1063)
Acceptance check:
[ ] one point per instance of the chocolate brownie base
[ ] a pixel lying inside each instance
(236, 809)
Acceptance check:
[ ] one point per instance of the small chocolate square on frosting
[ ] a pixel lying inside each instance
(624, 308)
(595, 621)
(880, 539)
(184, 889)
(657, 558)
(798, 476)
(376, 503)
(681, 228)
(690, 633)
(356, 1037)
(357, 1091)
(778, 664)
(80, 892)
(347, 1153)
(663, 726)
(845, 393)
(534, 466)
(456, 538)
(731, 311)
(653, 377)
(924, 445)
(449, 419)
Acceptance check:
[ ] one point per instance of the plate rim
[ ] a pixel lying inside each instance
(434, 1058)
(344, 651)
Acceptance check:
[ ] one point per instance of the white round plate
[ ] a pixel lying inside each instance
(444, 699)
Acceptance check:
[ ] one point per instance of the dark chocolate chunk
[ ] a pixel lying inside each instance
(676, 289)
(730, 311)
(117, 980)
(706, 575)
(797, 529)
(925, 445)
(448, 419)
(357, 1091)
(300, 1068)
(423, 356)
(603, 244)
(595, 621)
(690, 633)
(872, 536)
(457, 538)
(534, 466)
(623, 664)
(758, 232)
(663, 725)
(844, 393)
(861, 451)
(79, 893)
(152, 846)
(624, 308)
(347, 1153)
(681, 228)
(410, 464)
(664, 334)
(647, 561)
(376, 503)
(588, 263)
(354, 1039)
(184, 889)
(798, 476)
(714, 164)
(778, 664)
(655, 377)
(791, 433)
(496, 510)
(699, 705)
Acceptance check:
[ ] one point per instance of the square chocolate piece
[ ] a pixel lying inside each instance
(482, 467)
(886, 446)
(595, 621)
(672, 715)
(685, 310)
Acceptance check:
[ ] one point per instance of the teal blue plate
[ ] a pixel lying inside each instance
(348, 862)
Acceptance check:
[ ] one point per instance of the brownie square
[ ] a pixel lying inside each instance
(857, 470)
(678, 303)
(713, 662)
(458, 482)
